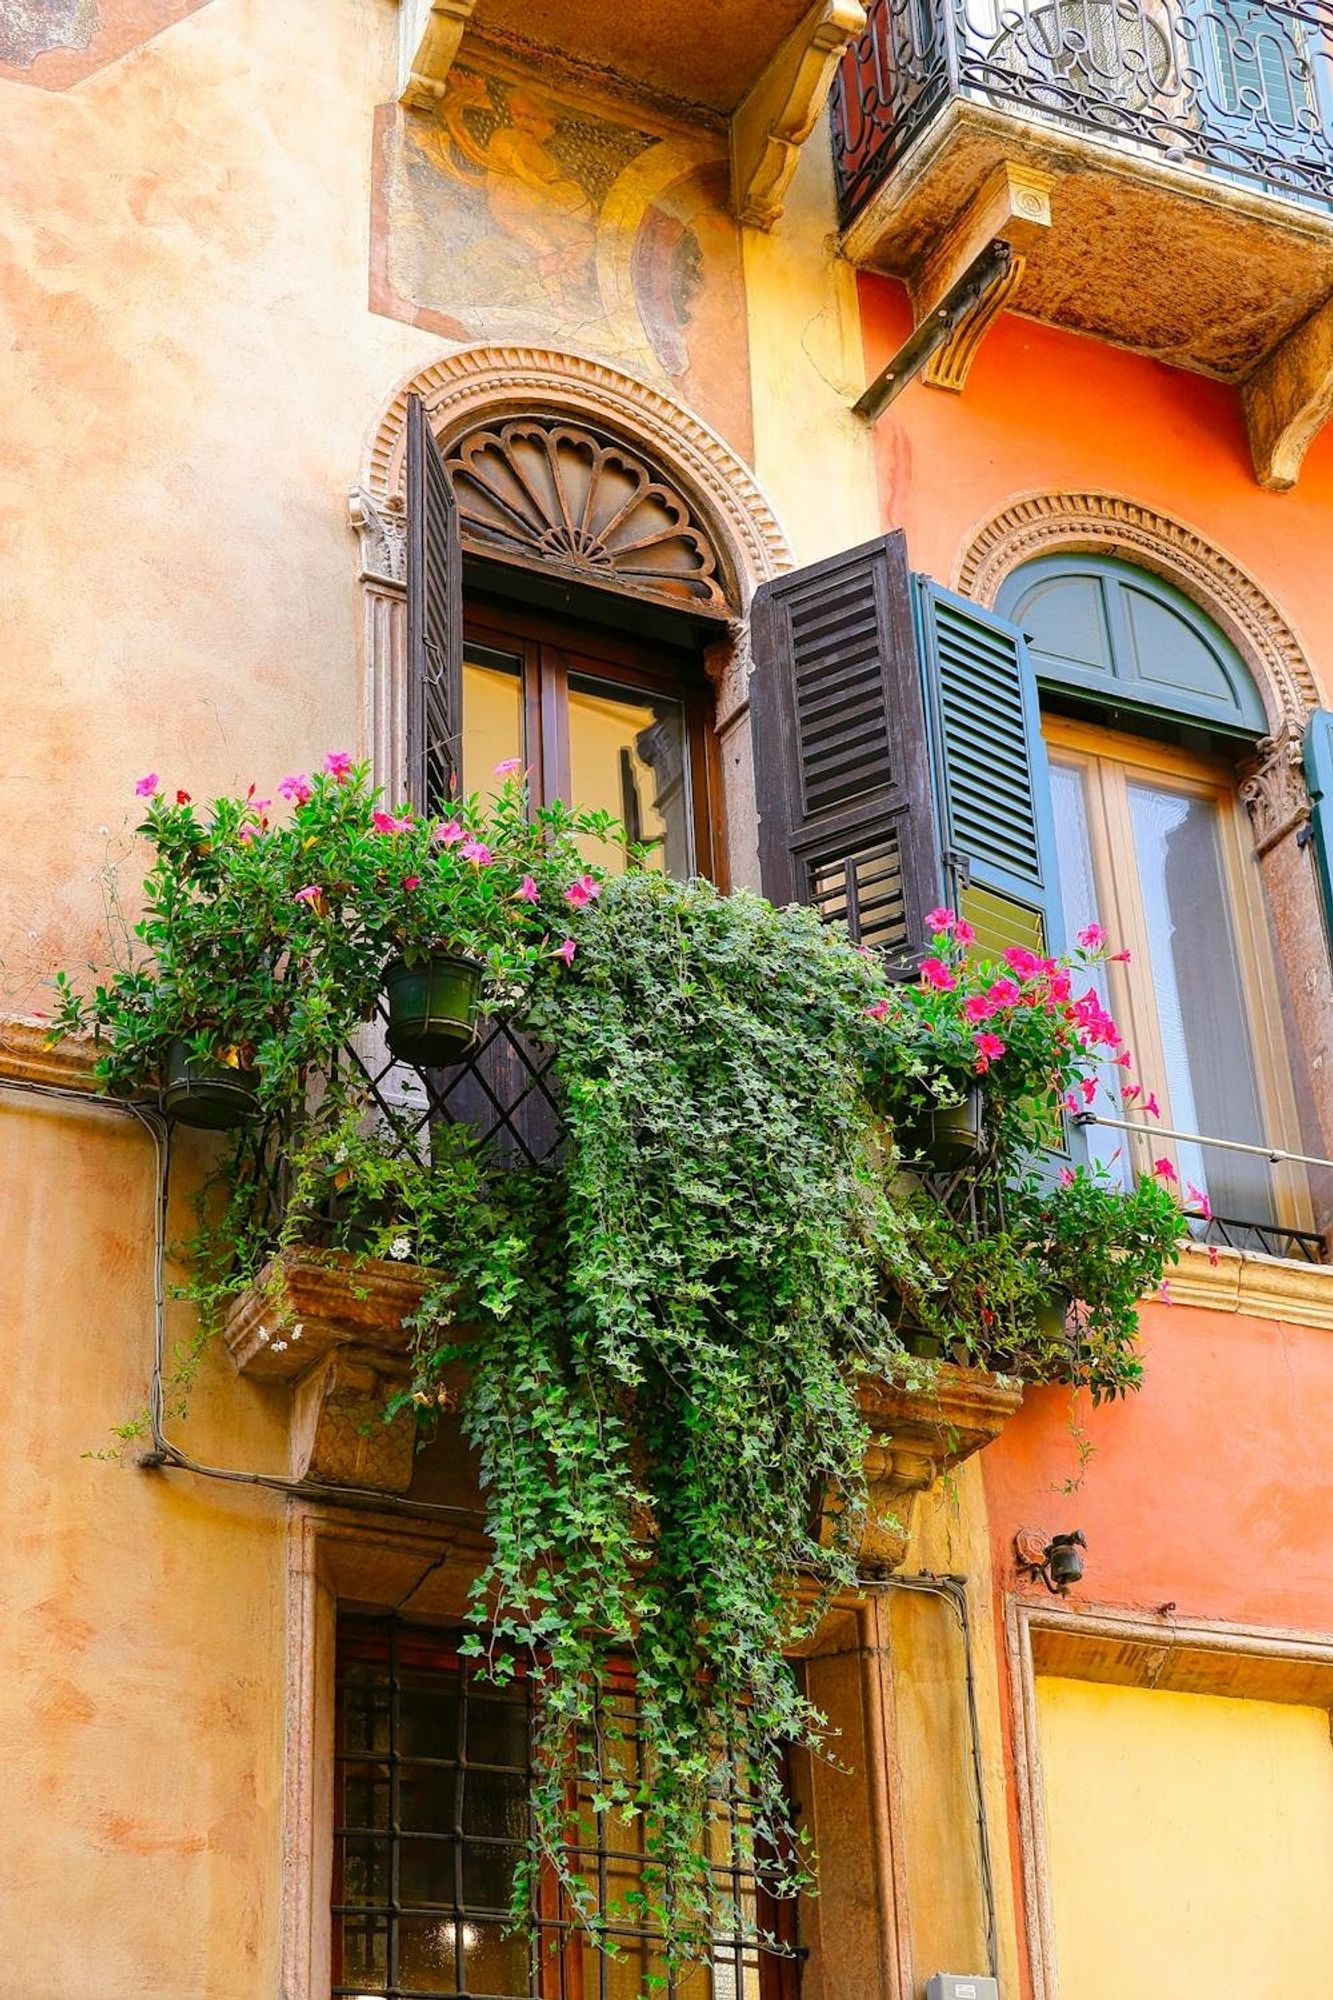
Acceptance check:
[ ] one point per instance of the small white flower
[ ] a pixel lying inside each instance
(339, 1155)
(298, 1329)
(278, 1347)
(401, 1247)
(262, 1334)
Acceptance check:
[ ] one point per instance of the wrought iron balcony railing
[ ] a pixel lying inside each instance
(1240, 88)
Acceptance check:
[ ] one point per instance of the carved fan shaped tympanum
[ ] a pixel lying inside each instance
(538, 490)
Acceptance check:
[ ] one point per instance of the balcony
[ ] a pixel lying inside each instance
(1170, 163)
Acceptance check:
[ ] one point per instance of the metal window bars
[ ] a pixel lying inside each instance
(1239, 88)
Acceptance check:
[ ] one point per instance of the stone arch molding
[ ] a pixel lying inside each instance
(483, 386)
(491, 384)
(1043, 523)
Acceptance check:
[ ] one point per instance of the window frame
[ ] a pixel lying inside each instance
(1094, 749)
(550, 649)
(557, 1968)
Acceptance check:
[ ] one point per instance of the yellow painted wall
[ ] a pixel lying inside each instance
(1191, 1844)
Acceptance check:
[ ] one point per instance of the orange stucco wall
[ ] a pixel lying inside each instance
(1046, 411)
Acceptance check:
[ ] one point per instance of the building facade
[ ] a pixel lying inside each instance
(638, 266)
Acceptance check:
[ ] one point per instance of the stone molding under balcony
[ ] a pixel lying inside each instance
(1187, 221)
(333, 1329)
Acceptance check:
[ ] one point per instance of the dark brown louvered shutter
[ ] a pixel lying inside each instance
(434, 619)
(842, 758)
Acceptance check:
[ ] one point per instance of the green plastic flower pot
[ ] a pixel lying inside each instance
(1051, 1316)
(433, 1008)
(947, 1135)
(924, 1346)
(196, 1090)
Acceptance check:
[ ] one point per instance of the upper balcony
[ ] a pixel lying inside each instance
(1176, 158)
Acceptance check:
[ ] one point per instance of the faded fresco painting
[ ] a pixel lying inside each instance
(511, 214)
(54, 43)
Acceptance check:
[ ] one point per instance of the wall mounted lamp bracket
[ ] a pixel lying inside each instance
(1056, 1559)
(986, 273)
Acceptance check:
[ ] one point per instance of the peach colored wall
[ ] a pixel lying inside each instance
(1050, 411)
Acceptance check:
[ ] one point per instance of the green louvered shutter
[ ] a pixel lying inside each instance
(841, 747)
(991, 778)
(1318, 751)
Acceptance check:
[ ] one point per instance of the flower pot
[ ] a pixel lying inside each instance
(1051, 1315)
(924, 1346)
(433, 1008)
(197, 1090)
(947, 1135)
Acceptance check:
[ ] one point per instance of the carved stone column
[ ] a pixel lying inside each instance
(381, 527)
(1275, 795)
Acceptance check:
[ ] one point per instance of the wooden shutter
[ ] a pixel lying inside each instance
(434, 619)
(842, 760)
(1318, 751)
(991, 773)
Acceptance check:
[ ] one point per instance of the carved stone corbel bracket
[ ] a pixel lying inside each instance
(429, 34)
(1013, 207)
(381, 524)
(1274, 790)
(779, 112)
(1288, 400)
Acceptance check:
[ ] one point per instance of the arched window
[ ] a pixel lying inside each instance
(1146, 706)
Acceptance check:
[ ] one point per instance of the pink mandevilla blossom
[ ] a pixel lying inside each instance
(963, 932)
(1022, 961)
(387, 823)
(478, 852)
(1130, 1092)
(567, 950)
(146, 786)
(1151, 1106)
(295, 786)
(1067, 1177)
(411, 882)
(585, 889)
(338, 765)
(878, 1011)
(1088, 1085)
(934, 972)
(507, 766)
(1164, 1293)
(1164, 1171)
(940, 921)
(1200, 1195)
(1120, 958)
(448, 833)
(527, 890)
(1003, 993)
(989, 1048)
(312, 894)
(1092, 937)
(978, 1007)
(248, 831)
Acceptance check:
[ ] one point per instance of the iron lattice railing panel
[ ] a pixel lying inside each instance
(1243, 88)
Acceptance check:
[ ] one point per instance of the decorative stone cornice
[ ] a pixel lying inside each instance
(26, 1057)
(1108, 525)
(490, 383)
(1275, 791)
(1260, 1287)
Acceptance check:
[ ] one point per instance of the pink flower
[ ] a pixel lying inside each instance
(146, 786)
(989, 1049)
(313, 895)
(878, 1011)
(295, 786)
(1120, 958)
(1092, 937)
(566, 951)
(527, 890)
(248, 831)
(1213, 1257)
(507, 766)
(963, 932)
(1164, 1171)
(386, 823)
(1151, 1106)
(1088, 1085)
(584, 890)
(1130, 1092)
(1072, 1105)
(940, 921)
(1164, 1293)
(1066, 1177)
(1022, 961)
(978, 1007)
(1124, 1060)
(448, 833)
(1003, 993)
(478, 852)
(1200, 1196)
(411, 882)
(338, 765)
(934, 972)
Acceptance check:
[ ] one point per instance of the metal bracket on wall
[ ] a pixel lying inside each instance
(987, 272)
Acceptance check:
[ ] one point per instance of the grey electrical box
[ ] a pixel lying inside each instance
(961, 1986)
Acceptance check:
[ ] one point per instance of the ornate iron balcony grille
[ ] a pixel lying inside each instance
(1240, 88)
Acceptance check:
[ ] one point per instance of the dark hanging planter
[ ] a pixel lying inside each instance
(433, 1008)
(197, 1090)
(1051, 1316)
(947, 1135)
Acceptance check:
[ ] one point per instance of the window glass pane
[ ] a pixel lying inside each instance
(1080, 907)
(629, 756)
(1194, 970)
(492, 715)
